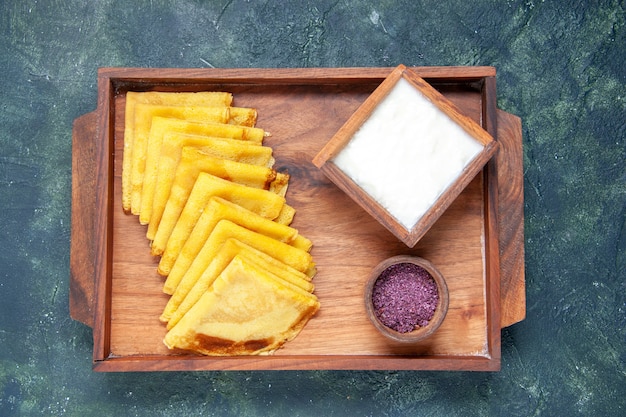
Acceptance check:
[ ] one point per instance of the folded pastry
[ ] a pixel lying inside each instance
(144, 113)
(155, 139)
(175, 308)
(170, 156)
(203, 98)
(193, 187)
(180, 253)
(196, 172)
(207, 128)
(246, 311)
(193, 161)
(298, 259)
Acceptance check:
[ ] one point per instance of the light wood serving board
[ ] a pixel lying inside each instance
(478, 244)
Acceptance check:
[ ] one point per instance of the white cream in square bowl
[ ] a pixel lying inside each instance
(407, 153)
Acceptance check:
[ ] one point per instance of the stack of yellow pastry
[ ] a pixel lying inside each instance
(196, 172)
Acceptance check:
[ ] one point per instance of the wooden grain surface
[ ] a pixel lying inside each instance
(348, 243)
(511, 219)
(82, 252)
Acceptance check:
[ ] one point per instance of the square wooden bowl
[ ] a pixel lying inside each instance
(411, 138)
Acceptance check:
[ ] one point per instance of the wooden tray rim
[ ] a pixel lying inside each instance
(103, 361)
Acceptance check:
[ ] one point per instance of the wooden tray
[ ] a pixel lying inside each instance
(477, 244)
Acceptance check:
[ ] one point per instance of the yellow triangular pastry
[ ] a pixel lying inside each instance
(247, 311)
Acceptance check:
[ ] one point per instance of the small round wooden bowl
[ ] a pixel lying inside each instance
(419, 333)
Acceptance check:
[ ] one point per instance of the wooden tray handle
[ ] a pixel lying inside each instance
(511, 219)
(82, 250)
(510, 163)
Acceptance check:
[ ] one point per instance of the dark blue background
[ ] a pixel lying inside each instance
(561, 68)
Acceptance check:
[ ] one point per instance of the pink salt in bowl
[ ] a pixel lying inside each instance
(406, 298)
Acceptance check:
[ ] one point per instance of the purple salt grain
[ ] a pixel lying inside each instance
(405, 297)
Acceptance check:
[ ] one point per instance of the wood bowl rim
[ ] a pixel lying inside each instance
(418, 334)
